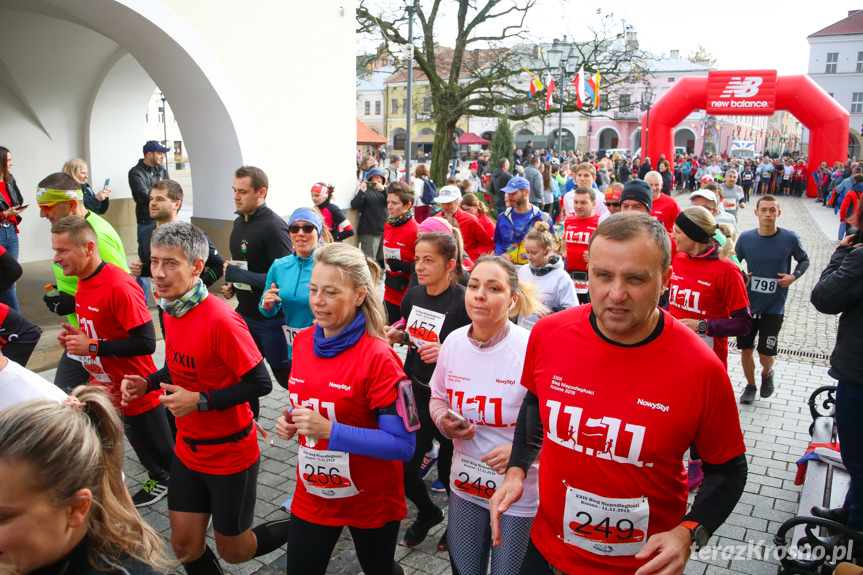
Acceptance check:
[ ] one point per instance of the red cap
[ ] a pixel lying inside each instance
(612, 195)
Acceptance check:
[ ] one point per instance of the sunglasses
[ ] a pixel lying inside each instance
(307, 229)
(613, 204)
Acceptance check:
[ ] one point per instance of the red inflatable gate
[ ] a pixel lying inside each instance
(753, 93)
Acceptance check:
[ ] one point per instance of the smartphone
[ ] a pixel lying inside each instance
(463, 423)
(107, 181)
(406, 406)
(24, 206)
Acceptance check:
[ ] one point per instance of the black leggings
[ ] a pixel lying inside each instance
(70, 374)
(310, 546)
(394, 312)
(415, 488)
(534, 563)
(150, 437)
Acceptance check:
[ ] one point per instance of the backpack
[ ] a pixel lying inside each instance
(429, 192)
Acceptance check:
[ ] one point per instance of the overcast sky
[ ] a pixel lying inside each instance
(740, 34)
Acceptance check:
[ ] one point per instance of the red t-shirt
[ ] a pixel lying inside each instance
(477, 240)
(4, 311)
(108, 305)
(577, 234)
(706, 288)
(347, 388)
(399, 244)
(617, 422)
(665, 209)
(209, 348)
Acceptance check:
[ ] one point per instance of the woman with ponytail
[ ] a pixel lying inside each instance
(476, 397)
(545, 270)
(65, 507)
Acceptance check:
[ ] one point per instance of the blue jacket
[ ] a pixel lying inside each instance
(292, 275)
(509, 240)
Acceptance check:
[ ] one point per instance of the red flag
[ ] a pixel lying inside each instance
(580, 92)
(549, 91)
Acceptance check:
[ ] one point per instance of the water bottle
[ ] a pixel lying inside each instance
(51, 291)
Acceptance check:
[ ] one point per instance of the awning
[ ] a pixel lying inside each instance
(367, 137)
(471, 139)
(423, 139)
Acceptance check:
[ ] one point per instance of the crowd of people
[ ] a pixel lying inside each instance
(551, 462)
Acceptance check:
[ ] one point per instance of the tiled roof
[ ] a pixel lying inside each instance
(853, 24)
(366, 135)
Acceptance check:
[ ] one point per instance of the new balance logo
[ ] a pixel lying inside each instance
(742, 88)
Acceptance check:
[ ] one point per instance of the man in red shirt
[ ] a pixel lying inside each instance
(115, 338)
(614, 417)
(213, 368)
(664, 208)
(577, 232)
(477, 242)
(400, 235)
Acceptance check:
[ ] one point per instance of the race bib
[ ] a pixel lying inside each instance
(605, 526)
(763, 285)
(243, 266)
(528, 322)
(579, 280)
(474, 478)
(730, 204)
(290, 334)
(326, 474)
(424, 326)
(93, 365)
(708, 339)
(391, 254)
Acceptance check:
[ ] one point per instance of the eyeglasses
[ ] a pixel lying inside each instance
(307, 229)
(47, 205)
(613, 204)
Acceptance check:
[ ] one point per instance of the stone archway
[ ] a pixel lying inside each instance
(608, 138)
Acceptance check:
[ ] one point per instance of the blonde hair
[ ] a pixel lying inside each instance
(704, 220)
(540, 233)
(68, 448)
(729, 249)
(360, 272)
(528, 303)
(72, 167)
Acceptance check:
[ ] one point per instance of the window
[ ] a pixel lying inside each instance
(832, 60)
(859, 61)
(395, 109)
(604, 104)
(377, 108)
(368, 108)
(625, 104)
(405, 105)
(857, 103)
(670, 79)
(427, 104)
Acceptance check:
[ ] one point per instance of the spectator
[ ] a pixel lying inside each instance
(98, 203)
(10, 217)
(370, 201)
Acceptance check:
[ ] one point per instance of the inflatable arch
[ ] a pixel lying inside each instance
(754, 93)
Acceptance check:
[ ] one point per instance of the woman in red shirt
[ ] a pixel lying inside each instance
(10, 217)
(345, 392)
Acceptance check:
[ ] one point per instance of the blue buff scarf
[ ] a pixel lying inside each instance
(326, 348)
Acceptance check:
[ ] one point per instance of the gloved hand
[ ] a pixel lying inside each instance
(396, 265)
(61, 304)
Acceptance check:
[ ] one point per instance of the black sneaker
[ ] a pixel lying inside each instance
(748, 395)
(767, 384)
(419, 529)
(151, 492)
(443, 544)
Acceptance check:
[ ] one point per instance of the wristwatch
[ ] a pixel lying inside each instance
(93, 348)
(701, 327)
(203, 401)
(698, 533)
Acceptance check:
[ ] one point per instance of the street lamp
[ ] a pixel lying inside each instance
(164, 120)
(647, 96)
(558, 55)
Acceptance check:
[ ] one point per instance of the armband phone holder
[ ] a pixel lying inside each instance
(406, 406)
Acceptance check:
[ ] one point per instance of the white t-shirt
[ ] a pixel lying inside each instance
(554, 289)
(19, 384)
(484, 386)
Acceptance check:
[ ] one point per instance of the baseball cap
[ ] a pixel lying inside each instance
(612, 196)
(515, 184)
(448, 194)
(154, 146)
(706, 194)
(707, 178)
(638, 190)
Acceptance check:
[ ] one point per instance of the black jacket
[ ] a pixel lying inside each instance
(499, 179)
(141, 179)
(96, 206)
(642, 171)
(372, 206)
(260, 241)
(14, 195)
(840, 290)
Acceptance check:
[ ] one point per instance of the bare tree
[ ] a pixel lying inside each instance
(482, 74)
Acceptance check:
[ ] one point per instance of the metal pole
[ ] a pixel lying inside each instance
(560, 116)
(646, 134)
(165, 119)
(410, 9)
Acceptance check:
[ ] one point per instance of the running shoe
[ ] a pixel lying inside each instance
(438, 487)
(429, 461)
(694, 474)
(748, 394)
(443, 544)
(419, 529)
(151, 492)
(767, 384)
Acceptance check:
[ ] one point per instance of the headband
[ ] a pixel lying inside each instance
(321, 189)
(692, 230)
(307, 215)
(49, 196)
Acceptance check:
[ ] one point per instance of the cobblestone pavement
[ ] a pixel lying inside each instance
(775, 431)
